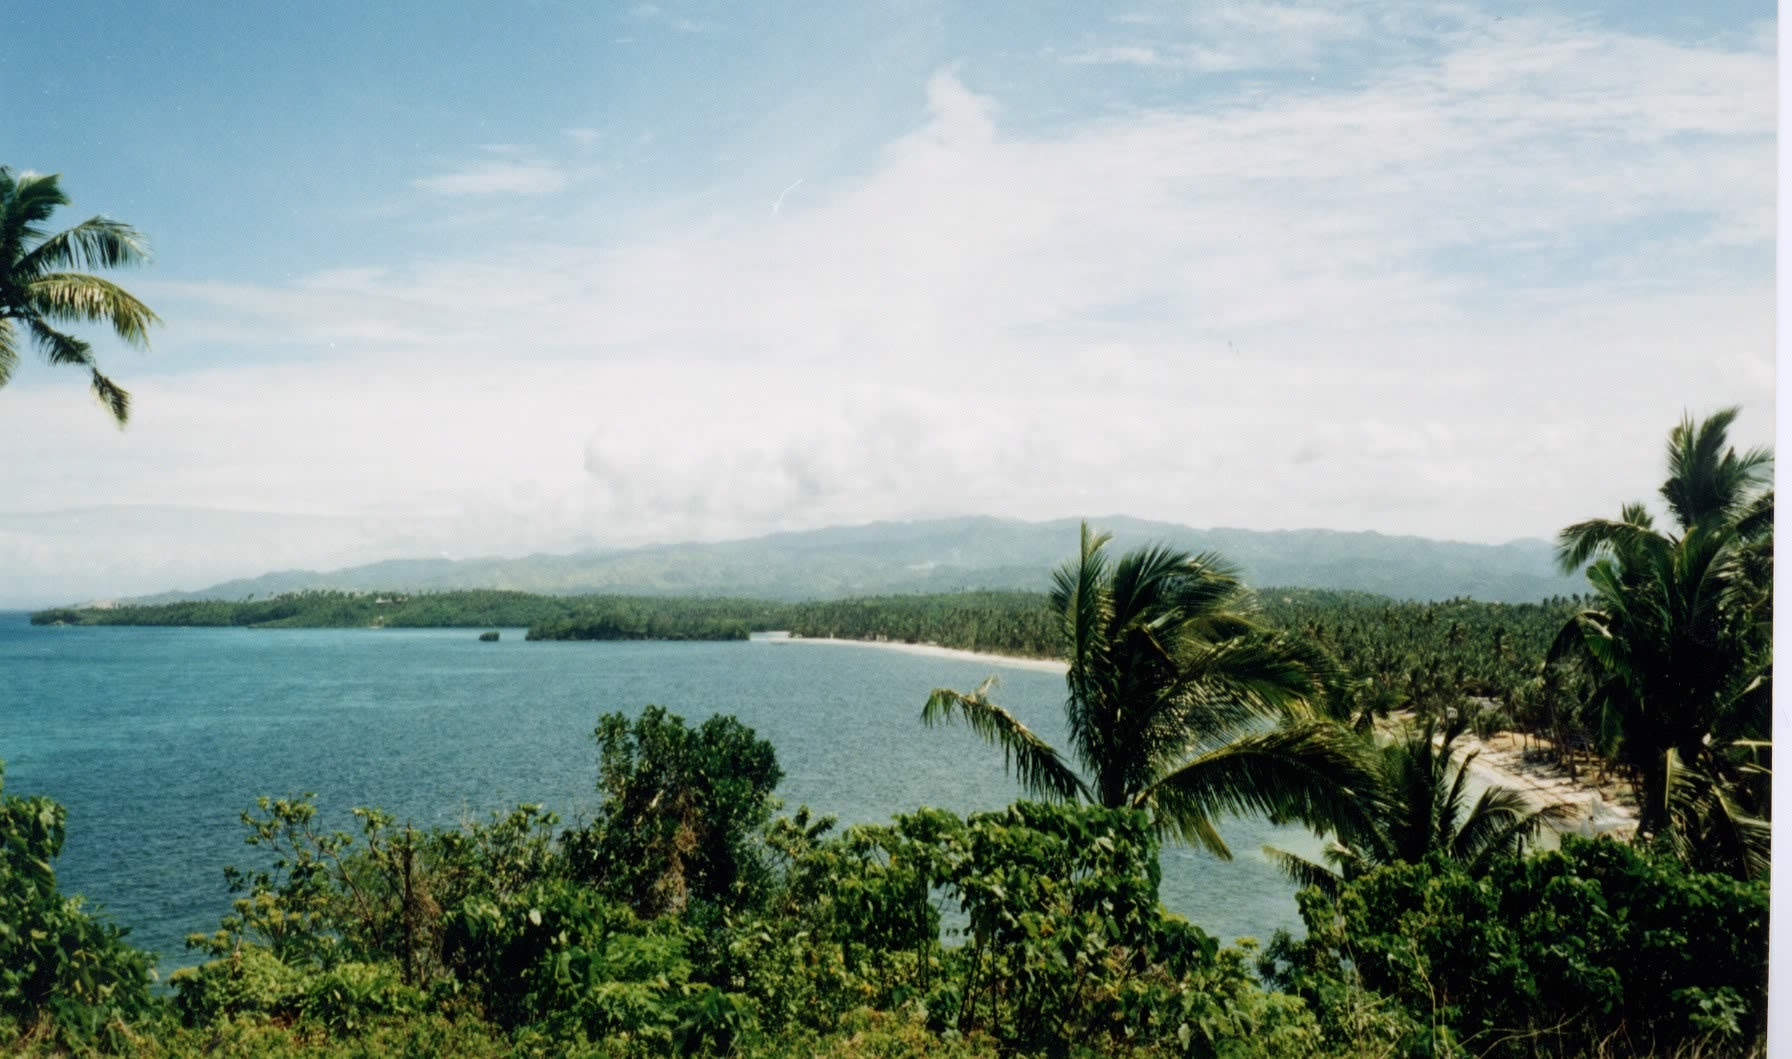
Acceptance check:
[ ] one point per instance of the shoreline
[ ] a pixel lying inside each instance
(1041, 665)
(1499, 761)
(1503, 760)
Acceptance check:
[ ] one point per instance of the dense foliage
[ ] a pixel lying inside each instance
(680, 808)
(1426, 657)
(638, 619)
(1012, 623)
(548, 617)
(1177, 702)
(65, 974)
(1034, 930)
(1598, 945)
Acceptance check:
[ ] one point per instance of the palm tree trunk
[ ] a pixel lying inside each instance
(1651, 785)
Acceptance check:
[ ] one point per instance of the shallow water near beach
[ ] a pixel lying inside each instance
(157, 739)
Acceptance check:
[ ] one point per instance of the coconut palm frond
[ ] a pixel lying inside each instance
(30, 199)
(37, 292)
(74, 297)
(1501, 823)
(1079, 596)
(1312, 771)
(1303, 872)
(1757, 520)
(98, 242)
(1710, 831)
(1033, 761)
(113, 396)
(57, 347)
(1145, 585)
(1707, 480)
(9, 350)
(1587, 540)
(1225, 687)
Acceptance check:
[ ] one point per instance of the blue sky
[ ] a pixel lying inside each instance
(490, 279)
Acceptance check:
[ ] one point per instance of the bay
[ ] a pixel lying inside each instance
(156, 740)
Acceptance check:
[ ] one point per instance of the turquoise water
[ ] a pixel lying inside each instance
(157, 739)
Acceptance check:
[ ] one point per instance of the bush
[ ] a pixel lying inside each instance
(682, 812)
(251, 981)
(61, 968)
(1560, 953)
(1065, 946)
(1068, 946)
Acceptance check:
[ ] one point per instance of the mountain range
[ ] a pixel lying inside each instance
(947, 555)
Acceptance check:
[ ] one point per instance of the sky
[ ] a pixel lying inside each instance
(456, 279)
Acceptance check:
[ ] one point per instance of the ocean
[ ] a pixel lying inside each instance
(157, 739)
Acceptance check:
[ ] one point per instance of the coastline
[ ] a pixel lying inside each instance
(1042, 665)
(1501, 760)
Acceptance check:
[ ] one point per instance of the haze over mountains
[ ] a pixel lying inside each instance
(954, 554)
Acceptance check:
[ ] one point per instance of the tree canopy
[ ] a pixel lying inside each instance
(41, 291)
(1178, 702)
(1679, 641)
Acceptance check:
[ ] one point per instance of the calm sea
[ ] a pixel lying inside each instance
(157, 739)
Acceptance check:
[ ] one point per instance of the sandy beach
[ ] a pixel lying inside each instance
(1502, 760)
(1045, 665)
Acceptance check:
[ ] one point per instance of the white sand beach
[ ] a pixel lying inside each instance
(1506, 760)
(1045, 665)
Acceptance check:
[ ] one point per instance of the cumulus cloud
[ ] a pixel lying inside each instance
(1464, 295)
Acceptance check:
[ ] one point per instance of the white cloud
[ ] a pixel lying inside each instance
(1465, 297)
(1127, 54)
(672, 20)
(497, 176)
(1228, 37)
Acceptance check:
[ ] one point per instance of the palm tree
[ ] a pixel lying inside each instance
(1716, 812)
(1418, 808)
(38, 291)
(1178, 703)
(1679, 642)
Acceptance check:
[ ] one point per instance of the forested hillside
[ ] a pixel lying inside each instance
(548, 617)
(951, 555)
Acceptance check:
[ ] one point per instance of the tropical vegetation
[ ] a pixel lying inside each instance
(1009, 623)
(58, 962)
(41, 291)
(1678, 643)
(546, 617)
(688, 916)
(1418, 808)
(1600, 948)
(1178, 703)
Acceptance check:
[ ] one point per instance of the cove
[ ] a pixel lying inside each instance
(156, 739)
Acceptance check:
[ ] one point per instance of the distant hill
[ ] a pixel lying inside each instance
(952, 554)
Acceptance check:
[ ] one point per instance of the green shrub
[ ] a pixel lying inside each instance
(1068, 946)
(1064, 944)
(681, 815)
(249, 981)
(558, 956)
(1561, 953)
(60, 967)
